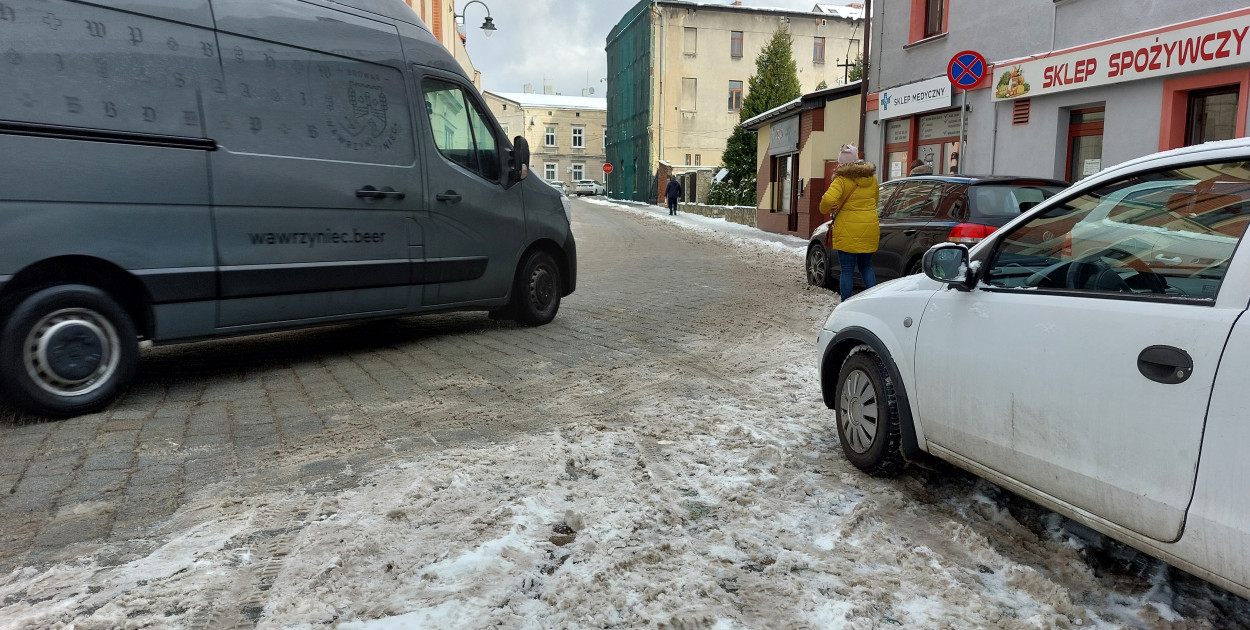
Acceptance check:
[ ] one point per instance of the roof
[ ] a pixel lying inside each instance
(811, 100)
(553, 101)
(845, 12)
(857, 14)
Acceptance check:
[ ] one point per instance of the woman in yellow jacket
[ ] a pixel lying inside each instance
(852, 199)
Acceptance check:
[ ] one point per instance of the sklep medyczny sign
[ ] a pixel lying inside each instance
(913, 98)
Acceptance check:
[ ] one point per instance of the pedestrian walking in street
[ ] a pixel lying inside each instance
(920, 167)
(672, 193)
(852, 201)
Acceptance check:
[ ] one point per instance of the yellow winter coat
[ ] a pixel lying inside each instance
(855, 226)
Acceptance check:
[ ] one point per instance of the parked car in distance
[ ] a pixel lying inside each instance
(590, 187)
(918, 212)
(563, 187)
(1088, 355)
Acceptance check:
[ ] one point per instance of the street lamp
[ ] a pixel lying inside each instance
(488, 26)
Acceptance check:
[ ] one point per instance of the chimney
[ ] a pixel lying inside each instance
(529, 88)
(547, 89)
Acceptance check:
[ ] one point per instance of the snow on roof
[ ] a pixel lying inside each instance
(721, 5)
(555, 101)
(846, 12)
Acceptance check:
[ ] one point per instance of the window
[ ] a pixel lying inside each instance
(818, 49)
(1085, 142)
(605, 136)
(914, 200)
(1212, 115)
(933, 17)
(551, 171)
(698, 159)
(460, 130)
(691, 44)
(689, 94)
(1167, 233)
(735, 96)
(579, 172)
(735, 44)
(549, 138)
(579, 137)
(687, 159)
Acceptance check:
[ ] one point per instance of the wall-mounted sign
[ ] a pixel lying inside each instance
(897, 132)
(784, 136)
(913, 98)
(1203, 44)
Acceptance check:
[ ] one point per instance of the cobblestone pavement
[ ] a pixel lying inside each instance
(308, 410)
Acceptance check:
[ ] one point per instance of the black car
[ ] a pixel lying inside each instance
(919, 212)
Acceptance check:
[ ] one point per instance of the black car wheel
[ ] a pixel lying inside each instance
(67, 350)
(819, 272)
(536, 291)
(867, 415)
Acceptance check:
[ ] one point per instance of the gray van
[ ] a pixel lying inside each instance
(175, 170)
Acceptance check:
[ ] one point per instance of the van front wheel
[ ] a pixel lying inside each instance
(536, 292)
(67, 350)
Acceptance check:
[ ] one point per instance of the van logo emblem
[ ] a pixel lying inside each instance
(367, 110)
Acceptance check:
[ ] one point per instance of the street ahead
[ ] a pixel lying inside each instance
(658, 456)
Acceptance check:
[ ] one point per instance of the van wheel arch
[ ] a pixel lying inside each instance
(119, 284)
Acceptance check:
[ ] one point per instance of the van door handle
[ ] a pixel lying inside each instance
(369, 192)
(1165, 364)
(452, 197)
(910, 232)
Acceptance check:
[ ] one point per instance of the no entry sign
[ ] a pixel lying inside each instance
(966, 69)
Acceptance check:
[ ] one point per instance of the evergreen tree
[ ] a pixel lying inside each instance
(857, 72)
(775, 83)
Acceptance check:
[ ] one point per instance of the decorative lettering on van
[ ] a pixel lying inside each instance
(313, 239)
(364, 125)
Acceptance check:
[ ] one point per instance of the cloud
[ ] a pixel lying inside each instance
(560, 42)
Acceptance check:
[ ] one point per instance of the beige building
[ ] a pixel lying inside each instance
(678, 74)
(566, 134)
(439, 16)
(798, 147)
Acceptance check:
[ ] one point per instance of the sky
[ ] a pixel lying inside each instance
(556, 42)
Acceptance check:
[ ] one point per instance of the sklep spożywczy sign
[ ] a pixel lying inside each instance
(1207, 43)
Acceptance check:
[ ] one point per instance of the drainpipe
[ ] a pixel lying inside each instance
(863, 76)
(659, 120)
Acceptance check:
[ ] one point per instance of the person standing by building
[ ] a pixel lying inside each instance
(852, 201)
(672, 193)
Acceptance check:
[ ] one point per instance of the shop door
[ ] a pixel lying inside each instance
(1085, 143)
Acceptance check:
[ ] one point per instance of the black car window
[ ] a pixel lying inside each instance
(1170, 233)
(1006, 200)
(915, 200)
(883, 199)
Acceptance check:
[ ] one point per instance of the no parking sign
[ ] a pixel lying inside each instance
(966, 69)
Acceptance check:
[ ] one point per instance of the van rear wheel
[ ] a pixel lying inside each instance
(67, 350)
(536, 291)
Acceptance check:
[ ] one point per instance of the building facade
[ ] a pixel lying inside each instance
(440, 17)
(678, 73)
(1086, 84)
(798, 150)
(566, 134)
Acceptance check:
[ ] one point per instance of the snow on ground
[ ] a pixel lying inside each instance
(717, 512)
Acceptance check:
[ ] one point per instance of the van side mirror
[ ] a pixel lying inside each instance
(518, 160)
(948, 263)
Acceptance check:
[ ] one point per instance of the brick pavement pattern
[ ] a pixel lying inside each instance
(302, 410)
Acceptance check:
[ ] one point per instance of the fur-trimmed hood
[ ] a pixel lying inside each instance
(856, 170)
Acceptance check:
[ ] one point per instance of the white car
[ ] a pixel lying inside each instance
(589, 187)
(1092, 366)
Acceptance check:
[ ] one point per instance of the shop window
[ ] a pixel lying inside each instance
(1204, 107)
(735, 96)
(818, 49)
(1212, 115)
(735, 44)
